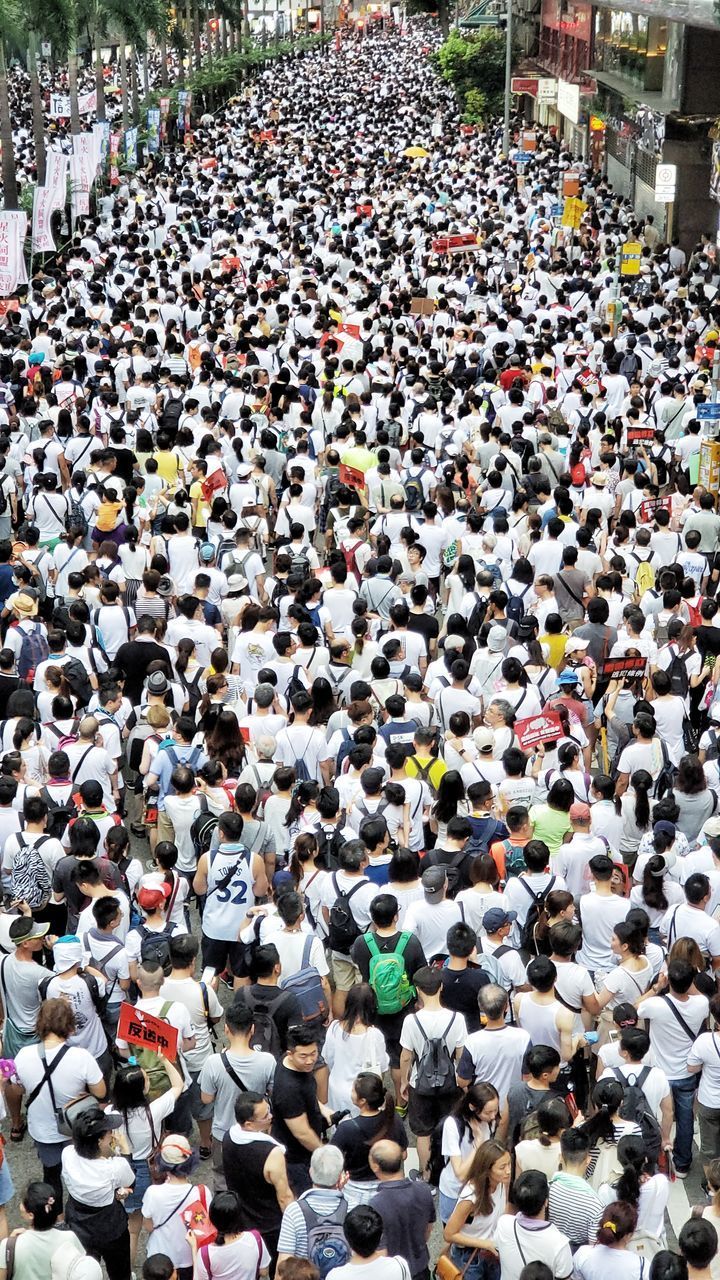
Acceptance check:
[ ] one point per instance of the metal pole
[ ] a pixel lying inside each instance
(615, 297)
(508, 78)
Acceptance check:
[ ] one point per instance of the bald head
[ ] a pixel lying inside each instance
(386, 1159)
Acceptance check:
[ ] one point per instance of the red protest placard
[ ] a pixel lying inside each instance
(704, 353)
(636, 434)
(618, 668)
(651, 505)
(352, 330)
(455, 244)
(8, 304)
(230, 263)
(543, 728)
(351, 476)
(147, 1032)
(364, 210)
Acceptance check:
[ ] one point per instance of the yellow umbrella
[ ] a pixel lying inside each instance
(415, 153)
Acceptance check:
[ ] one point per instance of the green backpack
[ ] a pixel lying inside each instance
(388, 978)
(153, 1064)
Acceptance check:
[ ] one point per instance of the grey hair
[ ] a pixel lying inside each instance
(264, 695)
(505, 709)
(265, 746)
(492, 1001)
(326, 1166)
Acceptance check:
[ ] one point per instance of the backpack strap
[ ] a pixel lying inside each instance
(307, 948)
(232, 1073)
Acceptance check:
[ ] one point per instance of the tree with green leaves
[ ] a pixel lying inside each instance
(51, 20)
(475, 65)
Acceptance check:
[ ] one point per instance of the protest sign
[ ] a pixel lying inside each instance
(147, 1032)
(351, 476)
(543, 728)
(651, 505)
(619, 668)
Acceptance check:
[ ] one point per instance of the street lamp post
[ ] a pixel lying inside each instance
(508, 78)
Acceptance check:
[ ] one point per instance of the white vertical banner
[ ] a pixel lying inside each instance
(42, 239)
(13, 224)
(56, 178)
(98, 136)
(80, 176)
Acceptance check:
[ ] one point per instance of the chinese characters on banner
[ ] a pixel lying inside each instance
(42, 239)
(153, 129)
(147, 1032)
(543, 728)
(164, 113)
(620, 668)
(101, 135)
(13, 225)
(131, 137)
(183, 96)
(114, 154)
(60, 105)
(56, 178)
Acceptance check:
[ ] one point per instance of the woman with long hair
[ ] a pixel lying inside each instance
(310, 879)
(604, 1129)
(637, 1185)
(543, 1152)
(635, 811)
(483, 892)
(33, 754)
(631, 977)
(190, 673)
(459, 583)
(471, 1122)
(354, 1045)
(235, 1251)
(450, 803)
(98, 1178)
(551, 821)
(374, 1120)
(134, 561)
(323, 701)
(304, 797)
(225, 743)
(610, 1255)
(657, 891)
(481, 1202)
(142, 1125)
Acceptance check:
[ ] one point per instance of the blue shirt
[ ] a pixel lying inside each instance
(166, 760)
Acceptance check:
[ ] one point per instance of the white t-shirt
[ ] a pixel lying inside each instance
(94, 1182)
(517, 1244)
(706, 1051)
(430, 921)
(238, 1260)
(302, 742)
(655, 1086)
(436, 1024)
(599, 915)
(670, 1042)
(170, 1236)
(76, 1070)
(380, 1269)
(687, 922)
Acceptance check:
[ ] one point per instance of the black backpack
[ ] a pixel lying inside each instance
(78, 680)
(343, 928)
(435, 1063)
(155, 947)
(202, 828)
(451, 868)
(329, 845)
(60, 813)
(265, 1037)
(477, 617)
(171, 414)
(527, 933)
(635, 1107)
(677, 674)
(515, 611)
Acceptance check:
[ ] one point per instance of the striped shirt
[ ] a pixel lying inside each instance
(293, 1230)
(574, 1207)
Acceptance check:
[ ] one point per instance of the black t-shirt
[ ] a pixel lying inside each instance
(708, 640)
(294, 1094)
(414, 958)
(135, 656)
(356, 1136)
(460, 992)
(425, 624)
(8, 685)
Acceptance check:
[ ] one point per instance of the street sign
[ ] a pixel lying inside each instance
(631, 257)
(571, 183)
(547, 91)
(665, 183)
(520, 85)
(708, 412)
(573, 212)
(556, 211)
(524, 157)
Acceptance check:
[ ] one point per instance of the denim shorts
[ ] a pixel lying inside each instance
(142, 1182)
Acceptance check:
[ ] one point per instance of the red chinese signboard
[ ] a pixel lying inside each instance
(543, 728)
(651, 505)
(143, 1029)
(617, 668)
(351, 476)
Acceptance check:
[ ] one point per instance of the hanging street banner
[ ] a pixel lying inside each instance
(13, 225)
(60, 105)
(42, 238)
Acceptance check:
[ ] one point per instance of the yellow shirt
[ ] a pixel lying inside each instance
(435, 769)
(201, 513)
(107, 515)
(556, 646)
(168, 466)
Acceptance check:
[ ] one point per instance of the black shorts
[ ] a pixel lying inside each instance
(221, 954)
(425, 1112)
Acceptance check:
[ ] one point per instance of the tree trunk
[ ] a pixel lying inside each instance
(9, 176)
(135, 87)
(189, 33)
(37, 110)
(146, 72)
(164, 78)
(73, 87)
(444, 16)
(196, 38)
(99, 77)
(124, 85)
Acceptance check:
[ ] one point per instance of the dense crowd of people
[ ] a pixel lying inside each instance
(359, 663)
